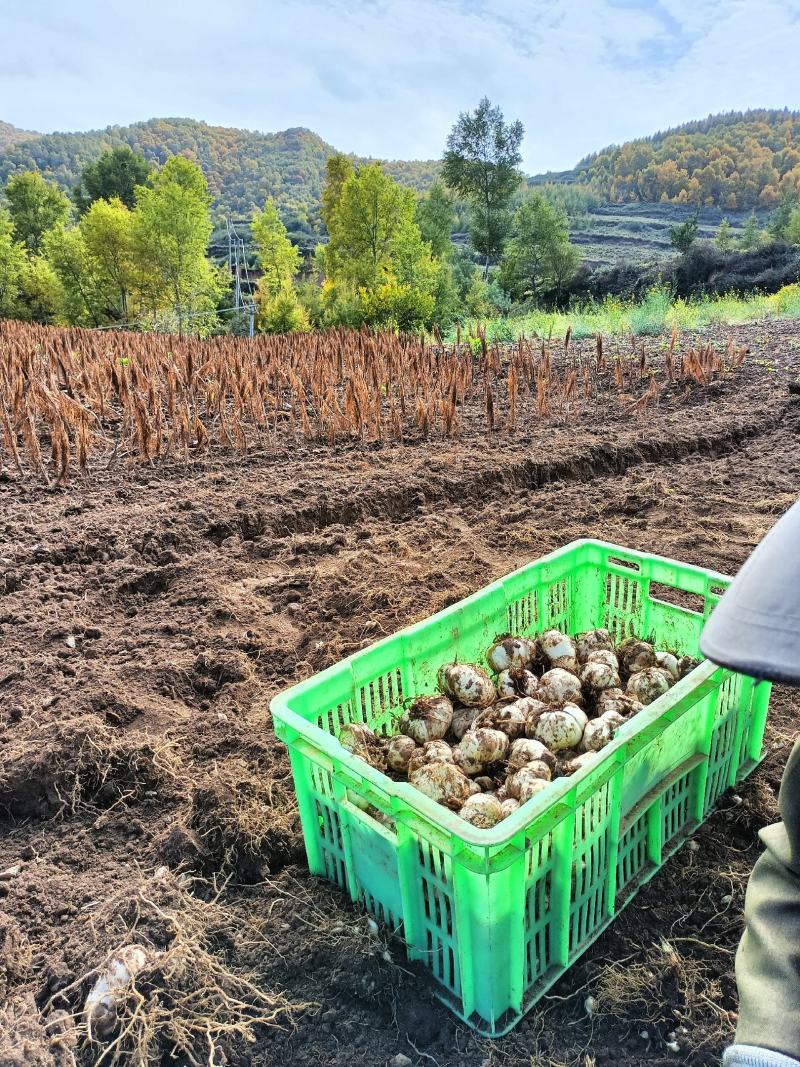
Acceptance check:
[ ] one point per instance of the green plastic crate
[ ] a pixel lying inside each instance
(499, 915)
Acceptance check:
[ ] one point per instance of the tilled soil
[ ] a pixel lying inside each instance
(148, 614)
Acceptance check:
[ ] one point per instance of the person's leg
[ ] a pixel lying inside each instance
(768, 960)
(749, 1056)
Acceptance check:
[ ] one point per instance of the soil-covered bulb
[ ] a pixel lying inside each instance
(427, 719)
(468, 684)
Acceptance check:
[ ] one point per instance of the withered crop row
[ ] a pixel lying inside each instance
(70, 396)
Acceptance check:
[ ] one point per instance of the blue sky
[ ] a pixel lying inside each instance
(389, 78)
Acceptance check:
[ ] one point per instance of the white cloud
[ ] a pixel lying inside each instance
(388, 78)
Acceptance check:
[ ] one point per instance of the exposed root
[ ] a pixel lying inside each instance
(243, 818)
(15, 954)
(640, 993)
(51, 768)
(189, 999)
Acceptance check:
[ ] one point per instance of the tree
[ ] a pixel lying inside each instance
(115, 175)
(94, 263)
(751, 234)
(81, 298)
(464, 271)
(682, 237)
(171, 228)
(378, 268)
(435, 220)
(35, 206)
(778, 221)
(12, 261)
(371, 213)
(337, 170)
(481, 163)
(279, 309)
(539, 257)
(42, 294)
(107, 230)
(282, 313)
(724, 236)
(563, 262)
(277, 256)
(792, 231)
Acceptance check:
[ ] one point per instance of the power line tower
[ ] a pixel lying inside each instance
(237, 265)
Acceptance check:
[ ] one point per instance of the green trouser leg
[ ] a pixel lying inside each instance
(768, 960)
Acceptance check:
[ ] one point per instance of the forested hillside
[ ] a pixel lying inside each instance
(10, 135)
(735, 161)
(242, 167)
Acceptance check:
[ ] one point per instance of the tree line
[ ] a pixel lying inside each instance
(130, 246)
(736, 162)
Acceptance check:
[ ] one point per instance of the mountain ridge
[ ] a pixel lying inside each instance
(733, 160)
(242, 166)
(10, 135)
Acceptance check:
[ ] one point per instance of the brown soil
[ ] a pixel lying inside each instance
(148, 614)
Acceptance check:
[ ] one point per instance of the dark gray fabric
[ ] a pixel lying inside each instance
(755, 628)
(768, 960)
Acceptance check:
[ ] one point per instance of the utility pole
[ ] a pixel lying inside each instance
(237, 263)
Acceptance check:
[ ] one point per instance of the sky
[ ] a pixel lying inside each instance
(388, 79)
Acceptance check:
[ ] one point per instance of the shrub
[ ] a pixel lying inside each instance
(392, 304)
(486, 299)
(650, 316)
(283, 314)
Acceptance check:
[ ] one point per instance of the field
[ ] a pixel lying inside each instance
(639, 233)
(161, 586)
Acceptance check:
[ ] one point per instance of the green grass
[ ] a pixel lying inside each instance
(656, 314)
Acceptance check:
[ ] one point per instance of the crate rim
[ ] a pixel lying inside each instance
(564, 791)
